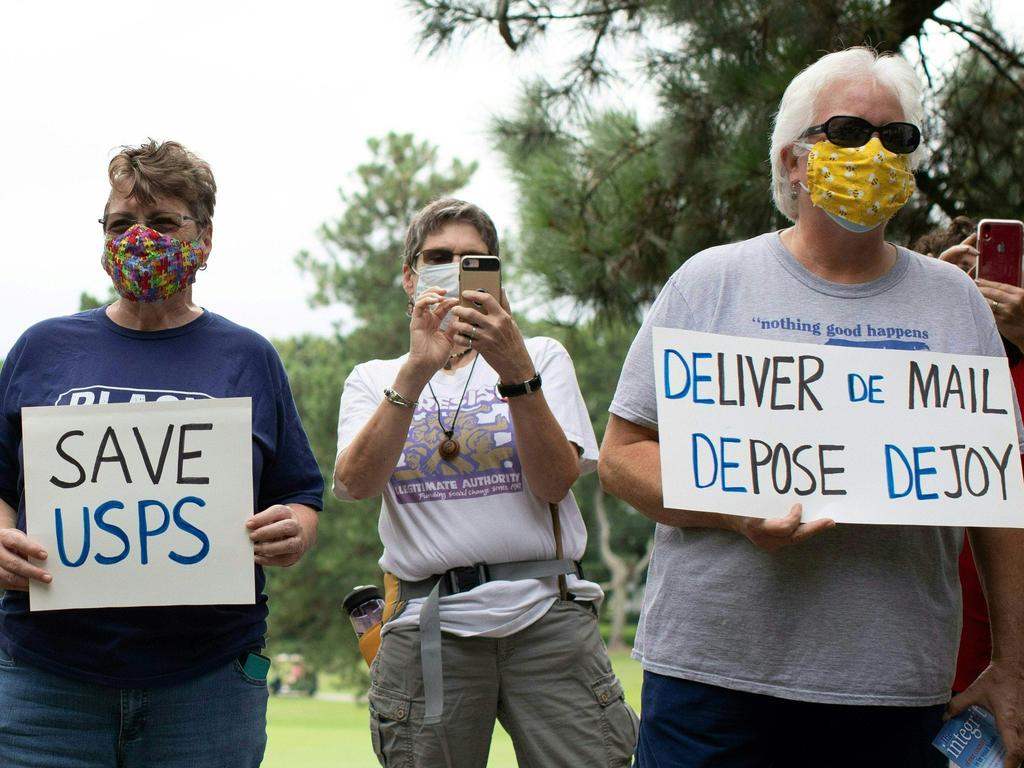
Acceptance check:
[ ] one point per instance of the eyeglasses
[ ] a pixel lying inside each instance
(166, 223)
(435, 256)
(847, 131)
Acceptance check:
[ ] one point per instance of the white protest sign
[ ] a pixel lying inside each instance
(751, 426)
(141, 503)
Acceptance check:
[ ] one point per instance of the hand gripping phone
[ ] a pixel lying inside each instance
(479, 273)
(1000, 245)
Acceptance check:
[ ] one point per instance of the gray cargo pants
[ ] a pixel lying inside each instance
(550, 685)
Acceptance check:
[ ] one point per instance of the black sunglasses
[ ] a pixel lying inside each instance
(847, 131)
(435, 256)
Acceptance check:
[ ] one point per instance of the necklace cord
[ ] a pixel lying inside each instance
(449, 432)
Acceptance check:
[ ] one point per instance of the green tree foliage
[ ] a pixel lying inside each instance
(597, 213)
(362, 266)
(305, 600)
(87, 301)
(978, 166)
(634, 201)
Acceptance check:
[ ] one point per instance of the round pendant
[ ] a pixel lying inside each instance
(449, 449)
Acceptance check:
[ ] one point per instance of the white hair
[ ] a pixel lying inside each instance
(797, 108)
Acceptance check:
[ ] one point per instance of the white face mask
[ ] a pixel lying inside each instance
(442, 276)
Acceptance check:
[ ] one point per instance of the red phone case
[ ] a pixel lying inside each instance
(1000, 245)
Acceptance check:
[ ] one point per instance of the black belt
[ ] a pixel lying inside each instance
(455, 581)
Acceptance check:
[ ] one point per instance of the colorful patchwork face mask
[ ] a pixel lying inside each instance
(147, 266)
(860, 188)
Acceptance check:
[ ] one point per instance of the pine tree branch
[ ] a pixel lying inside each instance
(930, 186)
(924, 63)
(965, 30)
(911, 16)
(441, 20)
(588, 63)
(623, 156)
(476, 13)
(904, 20)
(503, 26)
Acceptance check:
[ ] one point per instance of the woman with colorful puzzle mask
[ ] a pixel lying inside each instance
(156, 685)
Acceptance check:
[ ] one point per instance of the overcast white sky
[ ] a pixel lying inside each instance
(278, 97)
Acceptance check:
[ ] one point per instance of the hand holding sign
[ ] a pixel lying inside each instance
(281, 534)
(775, 533)
(15, 569)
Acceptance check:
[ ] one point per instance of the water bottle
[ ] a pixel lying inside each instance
(971, 740)
(365, 608)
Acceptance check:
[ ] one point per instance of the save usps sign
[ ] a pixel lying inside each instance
(141, 503)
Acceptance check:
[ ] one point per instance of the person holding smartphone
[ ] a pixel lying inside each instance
(1005, 299)
(474, 439)
(788, 642)
(957, 244)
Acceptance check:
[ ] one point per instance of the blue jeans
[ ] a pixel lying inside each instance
(217, 720)
(685, 724)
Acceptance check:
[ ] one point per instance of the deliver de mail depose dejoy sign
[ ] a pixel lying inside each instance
(860, 435)
(141, 503)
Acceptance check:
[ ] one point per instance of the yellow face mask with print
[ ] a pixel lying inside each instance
(860, 188)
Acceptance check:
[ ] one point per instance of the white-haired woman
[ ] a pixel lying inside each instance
(778, 642)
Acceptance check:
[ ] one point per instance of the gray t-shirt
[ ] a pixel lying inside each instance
(860, 614)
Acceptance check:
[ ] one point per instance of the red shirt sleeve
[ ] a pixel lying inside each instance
(976, 635)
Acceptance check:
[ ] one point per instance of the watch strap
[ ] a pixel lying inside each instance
(515, 390)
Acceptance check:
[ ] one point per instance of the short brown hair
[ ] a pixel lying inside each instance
(165, 169)
(938, 240)
(436, 215)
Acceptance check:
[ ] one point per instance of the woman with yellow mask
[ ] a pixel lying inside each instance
(783, 642)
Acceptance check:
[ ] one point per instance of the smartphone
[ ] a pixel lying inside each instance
(255, 665)
(479, 273)
(1000, 245)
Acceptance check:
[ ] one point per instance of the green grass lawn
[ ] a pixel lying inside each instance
(313, 733)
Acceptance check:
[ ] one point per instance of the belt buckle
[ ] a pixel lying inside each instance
(466, 578)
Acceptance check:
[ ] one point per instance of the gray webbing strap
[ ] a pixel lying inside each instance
(430, 620)
(430, 656)
(530, 569)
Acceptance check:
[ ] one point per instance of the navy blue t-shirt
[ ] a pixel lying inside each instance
(87, 358)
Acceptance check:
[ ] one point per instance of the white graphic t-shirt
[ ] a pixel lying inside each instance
(438, 514)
